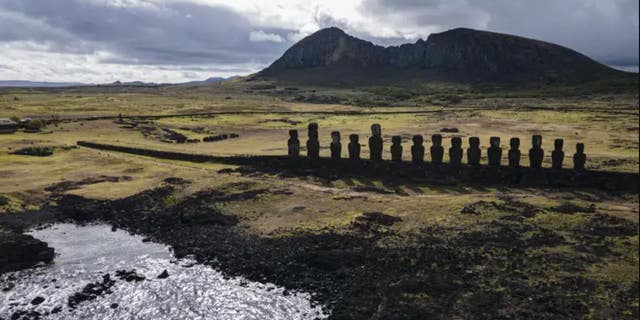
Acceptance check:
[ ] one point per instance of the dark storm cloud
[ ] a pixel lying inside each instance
(604, 30)
(175, 33)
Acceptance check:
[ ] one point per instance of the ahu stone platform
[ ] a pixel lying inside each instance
(424, 172)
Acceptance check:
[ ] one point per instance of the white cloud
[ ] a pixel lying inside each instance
(296, 36)
(25, 63)
(261, 36)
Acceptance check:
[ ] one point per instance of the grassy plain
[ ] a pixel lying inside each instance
(606, 123)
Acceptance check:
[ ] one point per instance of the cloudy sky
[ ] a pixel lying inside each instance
(101, 41)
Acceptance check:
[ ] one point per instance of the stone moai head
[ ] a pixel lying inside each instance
(418, 140)
(536, 141)
(514, 143)
(456, 142)
(437, 140)
(313, 130)
(293, 134)
(396, 140)
(335, 137)
(474, 142)
(376, 130)
(558, 144)
(495, 142)
(580, 148)
(354, 138)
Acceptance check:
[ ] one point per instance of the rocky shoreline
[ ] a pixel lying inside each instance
(19, 251)
(367, 271)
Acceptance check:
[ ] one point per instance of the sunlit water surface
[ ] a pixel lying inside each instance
(192, 291)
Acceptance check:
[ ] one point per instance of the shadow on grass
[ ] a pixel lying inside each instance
(395, 173)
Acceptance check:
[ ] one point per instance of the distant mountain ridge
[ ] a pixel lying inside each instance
(44, 84)
(330, 56)
(39, 84)
(212, 80)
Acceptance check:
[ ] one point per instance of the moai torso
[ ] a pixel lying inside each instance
(495, 152)
(336, 146)
(557, 155)
(375, 142)
(437, 151)
(313, 145)
(474, 153)
(579, 158)
(417, 149)
(293, 144)
(536, 154)
(396, 148)
(514, 153)
(455, 152)
(354, 147)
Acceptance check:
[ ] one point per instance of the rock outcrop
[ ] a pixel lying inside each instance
(330, 56)
(18, 251)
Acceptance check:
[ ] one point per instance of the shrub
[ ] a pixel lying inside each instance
(452, 98)
(266, 86)
(37, 151)
(396, 93)
(215, 138)
(35, 125)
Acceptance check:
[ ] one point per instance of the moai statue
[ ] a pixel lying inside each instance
(474, 153)
(455, 152)
(437, 151)
(294, 144)
(417, 149)
(579, 158)
(396, 148)
(313, 145)
(557, 155)
(336, 146)
(375, 142)
(514, 153)
(120, 119)
(494, 152)
(354, 147)
(536, 154)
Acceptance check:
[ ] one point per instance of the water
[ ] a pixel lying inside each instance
(192, 291)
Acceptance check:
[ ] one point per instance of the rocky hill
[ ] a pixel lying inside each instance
(330, 56)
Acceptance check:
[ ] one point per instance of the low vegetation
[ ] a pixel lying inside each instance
(38, 151)
(35, 125)
(440, 249)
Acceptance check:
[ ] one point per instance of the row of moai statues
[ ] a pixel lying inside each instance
(474, 153)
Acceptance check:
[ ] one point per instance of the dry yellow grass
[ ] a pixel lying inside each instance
(611, 140)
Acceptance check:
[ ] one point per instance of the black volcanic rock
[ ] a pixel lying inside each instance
(331, 56)
(18, 251)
